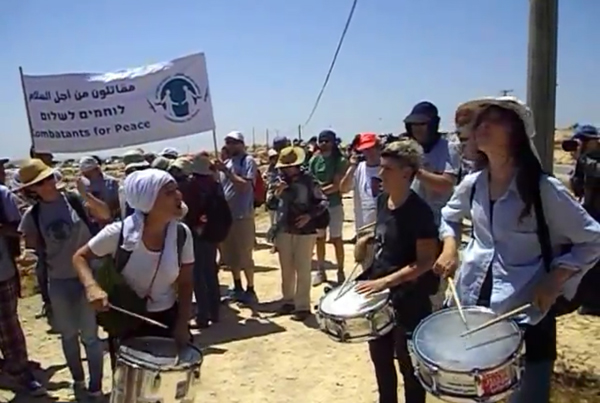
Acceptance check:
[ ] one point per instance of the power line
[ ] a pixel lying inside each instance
(335, 55)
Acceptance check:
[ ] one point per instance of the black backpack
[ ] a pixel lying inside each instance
(586, 294)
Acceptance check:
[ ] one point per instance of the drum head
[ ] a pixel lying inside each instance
(437, 340)
(159, 353)
(349, 303)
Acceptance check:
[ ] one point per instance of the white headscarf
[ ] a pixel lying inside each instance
(141, 190)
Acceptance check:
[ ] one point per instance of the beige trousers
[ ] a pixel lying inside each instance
(295, 255)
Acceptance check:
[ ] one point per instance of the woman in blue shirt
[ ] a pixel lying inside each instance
(502, 266)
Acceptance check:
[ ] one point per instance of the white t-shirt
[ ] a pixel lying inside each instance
(141, 266)
(367, 186)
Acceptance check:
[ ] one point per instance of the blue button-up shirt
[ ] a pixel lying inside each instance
(510, 246)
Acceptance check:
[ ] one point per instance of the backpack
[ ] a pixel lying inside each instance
(110, 278)
(586, 294)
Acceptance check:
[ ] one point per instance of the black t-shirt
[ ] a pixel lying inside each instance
(396, 235)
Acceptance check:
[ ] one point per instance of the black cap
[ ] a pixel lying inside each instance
(423, 112)
(327, 134)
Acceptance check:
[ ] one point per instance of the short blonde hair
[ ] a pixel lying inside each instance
(406, 151)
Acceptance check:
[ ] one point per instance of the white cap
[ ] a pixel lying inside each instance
(169, 152)
(235, 135)
(87, 164)
(272, 153)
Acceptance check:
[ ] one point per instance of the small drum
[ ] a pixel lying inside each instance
(155, 370)
(485, 366)
(349, 317)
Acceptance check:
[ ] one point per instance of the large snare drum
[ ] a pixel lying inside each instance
(155, 370)
(483, 367)
(349, 317)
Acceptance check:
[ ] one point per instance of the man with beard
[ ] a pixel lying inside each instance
(238, 175)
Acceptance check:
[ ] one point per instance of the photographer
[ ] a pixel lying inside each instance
(585, 184)
(362, 177)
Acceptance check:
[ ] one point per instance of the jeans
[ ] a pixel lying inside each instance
(535, 386)
(41, 273)
(75, 319)
(206, 281)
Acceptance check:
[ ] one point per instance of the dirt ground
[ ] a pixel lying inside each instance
(253, 358)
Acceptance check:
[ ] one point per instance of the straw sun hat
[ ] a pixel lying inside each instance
(291, 157)
(33, 171)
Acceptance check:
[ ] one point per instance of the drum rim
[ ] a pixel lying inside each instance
(385, 302)
(519, 349)
(136, 363)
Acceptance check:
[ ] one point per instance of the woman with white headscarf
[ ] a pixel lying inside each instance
(157, 268)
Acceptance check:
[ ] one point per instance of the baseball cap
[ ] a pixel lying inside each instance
(169, 152)
(280, 139)
(422, 112)
(366, 140)
(272, 153)
(235, 135)
(327, 134)
(583, 132)
(88, 163)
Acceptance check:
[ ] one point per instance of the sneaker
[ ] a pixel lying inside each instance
(584, 310)
(79, 389)
(234, 295)
(46, 312)
(96, 396)
(301, 316)
(286, 309)
(341, 276)
(250, 297)
(34, 388)
(319, 278)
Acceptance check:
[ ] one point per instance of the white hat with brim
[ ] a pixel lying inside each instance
(506, 102)
(137, 165)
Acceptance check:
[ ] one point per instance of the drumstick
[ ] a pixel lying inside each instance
(140, 317)
(496, 320)
(344, 287)
(457, 301)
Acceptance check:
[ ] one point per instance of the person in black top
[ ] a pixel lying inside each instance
(406, 247)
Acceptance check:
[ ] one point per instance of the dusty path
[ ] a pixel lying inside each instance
(253, 359)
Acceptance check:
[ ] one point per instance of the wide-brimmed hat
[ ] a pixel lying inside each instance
(290, 157)
(33, 171)
(511, 103)
(423, 112)
(200, 165)
(183, 164)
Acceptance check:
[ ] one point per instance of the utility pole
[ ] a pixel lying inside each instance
(299, 132)
(541, 75)
(506, 92)
(267, 135)
(253, 139)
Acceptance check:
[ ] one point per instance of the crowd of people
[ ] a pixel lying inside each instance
(162, 228)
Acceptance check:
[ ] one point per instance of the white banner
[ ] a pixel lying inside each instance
(89, 111)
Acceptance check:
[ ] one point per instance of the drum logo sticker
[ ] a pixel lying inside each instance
(492, 383)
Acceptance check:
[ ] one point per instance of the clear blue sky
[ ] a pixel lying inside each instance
(267, 58)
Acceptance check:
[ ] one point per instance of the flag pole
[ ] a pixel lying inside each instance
(26, 101)
(214, 135)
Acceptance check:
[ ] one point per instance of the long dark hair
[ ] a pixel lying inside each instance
(528, 168)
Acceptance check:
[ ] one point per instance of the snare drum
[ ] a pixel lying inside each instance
(349, 317)
(483, 367)
(155, 370)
